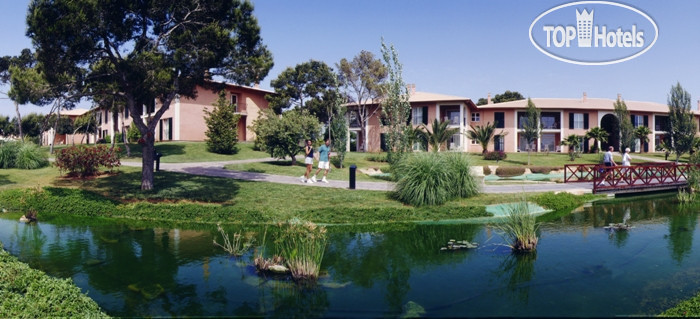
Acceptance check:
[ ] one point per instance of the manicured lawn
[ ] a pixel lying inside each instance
(284, 167)
(21, 178)
(188, 152)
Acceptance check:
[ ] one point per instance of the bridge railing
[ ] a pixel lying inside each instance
(605, 178)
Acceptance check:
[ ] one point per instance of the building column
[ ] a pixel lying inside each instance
(462, 126)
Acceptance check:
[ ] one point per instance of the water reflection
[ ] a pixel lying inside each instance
(579, 269)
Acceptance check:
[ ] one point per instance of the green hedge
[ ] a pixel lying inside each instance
(543, 169)
(30, 293)
(510, 171)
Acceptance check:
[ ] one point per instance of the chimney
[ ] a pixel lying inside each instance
(488, 98)
(585, 97)
(256, 85)
(619, 97)
(411, 88)
(698, 105)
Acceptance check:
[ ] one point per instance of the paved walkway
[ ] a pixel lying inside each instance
(216, 169)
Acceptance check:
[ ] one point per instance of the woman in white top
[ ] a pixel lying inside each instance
(626, 157)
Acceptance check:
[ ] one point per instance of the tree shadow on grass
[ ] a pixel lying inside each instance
(168, 186)
(164, 149)
(5, 181)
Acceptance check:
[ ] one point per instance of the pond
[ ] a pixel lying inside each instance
(580, 268)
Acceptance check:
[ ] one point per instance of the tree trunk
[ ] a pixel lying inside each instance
(115, 125)
(55, 128)
(19, 122)
(147, 161)
(124, 137)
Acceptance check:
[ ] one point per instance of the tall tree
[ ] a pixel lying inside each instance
(361, 79)
(395, 106)
(599, 135)
(339, 132)
(626, 127)
(682, 124)
(147, 51)
(222, 126)
(439, 134)
(484, 134)
(310, 85)
(532, 128)
(505, 97)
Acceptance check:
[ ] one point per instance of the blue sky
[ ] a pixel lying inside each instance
(458, 47)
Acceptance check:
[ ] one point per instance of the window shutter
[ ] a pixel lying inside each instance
(646, 147)
(632, 120)
(571, 121)
(646, 120)
(585, 121)
(425, 115)
(410, 117)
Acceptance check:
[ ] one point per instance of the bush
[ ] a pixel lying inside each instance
(85, 161)
(335, 160)
(433, 178)
(117, 138)
(24, 155)
(510, 171)
(495, 156)
(133, 134)
(543, 169)
(30, 293)
(487, 170)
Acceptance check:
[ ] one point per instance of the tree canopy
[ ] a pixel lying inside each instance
(146, 50)
(310, 85)
(682, 124)
(504, 97)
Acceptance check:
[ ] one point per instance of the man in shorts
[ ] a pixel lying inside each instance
(323, 162)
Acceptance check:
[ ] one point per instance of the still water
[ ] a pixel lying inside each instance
(580, 268)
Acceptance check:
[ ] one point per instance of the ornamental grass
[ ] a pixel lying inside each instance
(302, 245)
(519, 228)
(24, 155)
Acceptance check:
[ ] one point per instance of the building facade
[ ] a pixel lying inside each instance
(558, 117)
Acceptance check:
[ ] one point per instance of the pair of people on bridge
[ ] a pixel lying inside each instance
(609, 161)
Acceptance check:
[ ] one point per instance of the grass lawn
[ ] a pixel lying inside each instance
(284, 167)
(187, 152)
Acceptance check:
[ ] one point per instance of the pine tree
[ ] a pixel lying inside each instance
(222, 126)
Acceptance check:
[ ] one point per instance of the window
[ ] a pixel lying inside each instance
(104, 134)
(522, 119)
(476, 117)
(638, 120)
(548, 142)
(475, 142)
(126, 112)
(453, 143)
(499, 119)
(452, 117)
(99, 118)
(151, 107)
(420, 115)
(578, 120)
(550, 120)
(661, 123)
(234, 102)
(106, 116)
(166, 129)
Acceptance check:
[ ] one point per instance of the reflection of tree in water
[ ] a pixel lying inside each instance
(30, 239)
(519, 270)
(602, 213)
(368, 258)
(680, 238)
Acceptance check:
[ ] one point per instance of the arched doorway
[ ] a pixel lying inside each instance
(611, 124)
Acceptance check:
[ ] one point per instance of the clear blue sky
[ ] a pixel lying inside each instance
(456, 47)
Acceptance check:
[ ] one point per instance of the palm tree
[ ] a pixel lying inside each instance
(440, 134)
(416, 135)
(642, 133)
(573, 141)
(483, 134)
(599, 135)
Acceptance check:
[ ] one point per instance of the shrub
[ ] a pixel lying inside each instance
(117, 138)
(30, 156)
(302, 245)
(543, 169)
(30, 293)
(335, 160)
(85, 161)
(495, 156)
(510, 171)
(133, 134)
(487, 170)
(459, 168)
(520, 228)
(24, 155)
(433, 178)
(222, 126)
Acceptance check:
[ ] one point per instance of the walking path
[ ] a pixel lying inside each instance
(216, 169)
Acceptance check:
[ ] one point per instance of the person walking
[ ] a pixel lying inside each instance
(323, 162)
(626, 157)
(608, 157)
(309, 161)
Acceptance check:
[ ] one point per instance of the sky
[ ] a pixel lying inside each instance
(466, 48)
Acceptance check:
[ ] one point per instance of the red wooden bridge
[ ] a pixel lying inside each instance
(629, 179)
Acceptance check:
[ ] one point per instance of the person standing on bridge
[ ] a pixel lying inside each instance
(608, 157)
(626, 157)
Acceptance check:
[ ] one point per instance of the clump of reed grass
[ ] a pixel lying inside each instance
(236, 245)
(685, 197)
(24, 155)
(434, 178)
(519, 227)
(302, 245)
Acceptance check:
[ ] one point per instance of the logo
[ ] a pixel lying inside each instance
(593, 32)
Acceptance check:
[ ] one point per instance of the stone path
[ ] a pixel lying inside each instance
(216, 169)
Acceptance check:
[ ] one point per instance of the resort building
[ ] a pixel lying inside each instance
(185, 118)
(559, 118)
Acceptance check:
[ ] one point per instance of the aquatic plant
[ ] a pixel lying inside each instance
(685, 197)
(520, 227)
(302, 245)
(236, 246)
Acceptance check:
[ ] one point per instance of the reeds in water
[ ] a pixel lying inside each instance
(302, 245)
(235, 246)
(520, 228)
